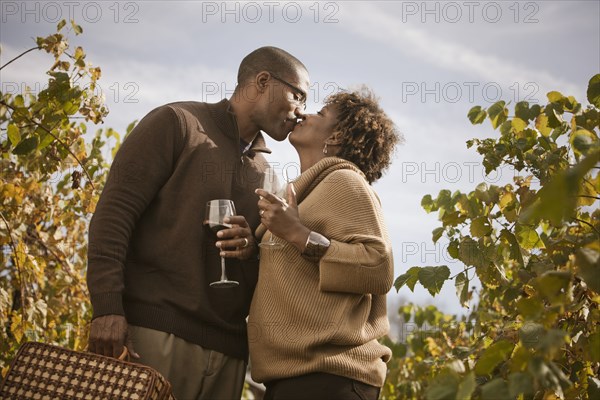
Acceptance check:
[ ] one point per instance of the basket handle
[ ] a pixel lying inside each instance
(125, 354)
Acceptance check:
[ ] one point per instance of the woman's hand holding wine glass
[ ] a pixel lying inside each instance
(281, 216)
(271, 185)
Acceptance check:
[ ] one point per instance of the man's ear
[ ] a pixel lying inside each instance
(262, 80)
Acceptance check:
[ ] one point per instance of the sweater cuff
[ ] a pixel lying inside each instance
(106, 304)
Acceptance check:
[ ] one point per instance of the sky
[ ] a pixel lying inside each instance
(428, 62)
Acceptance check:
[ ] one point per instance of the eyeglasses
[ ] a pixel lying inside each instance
(301, 101)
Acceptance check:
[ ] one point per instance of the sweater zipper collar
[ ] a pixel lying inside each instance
(227, 123)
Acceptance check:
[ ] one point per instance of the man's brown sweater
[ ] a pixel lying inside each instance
(149, 257)
(328, 316)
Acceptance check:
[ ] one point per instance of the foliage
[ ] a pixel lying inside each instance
(52, 174)
(534, 247)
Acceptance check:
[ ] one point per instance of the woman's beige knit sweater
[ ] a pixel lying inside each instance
(326, 317)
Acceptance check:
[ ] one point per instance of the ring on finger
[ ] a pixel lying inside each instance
(246, 243)
(261, 212)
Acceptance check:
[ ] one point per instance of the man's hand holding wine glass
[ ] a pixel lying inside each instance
(237, 241)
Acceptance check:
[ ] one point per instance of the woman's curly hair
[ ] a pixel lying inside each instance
(366, 135)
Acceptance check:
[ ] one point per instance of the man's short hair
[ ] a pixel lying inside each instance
(268, 58)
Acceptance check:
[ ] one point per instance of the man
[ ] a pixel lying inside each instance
(150, 261)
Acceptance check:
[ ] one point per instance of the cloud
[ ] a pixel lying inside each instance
(373, 22)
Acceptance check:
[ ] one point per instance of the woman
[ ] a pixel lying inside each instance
(319, 307)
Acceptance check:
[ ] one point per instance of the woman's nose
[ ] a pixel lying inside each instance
(300, 115)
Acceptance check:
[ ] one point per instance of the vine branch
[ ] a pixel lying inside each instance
(57, 139)
(20, 55)
(24, 293)
(588, 224)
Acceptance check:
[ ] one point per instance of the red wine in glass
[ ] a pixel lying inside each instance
(216, 227)
(216, 211)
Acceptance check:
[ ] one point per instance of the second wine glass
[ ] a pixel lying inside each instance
(272, 184)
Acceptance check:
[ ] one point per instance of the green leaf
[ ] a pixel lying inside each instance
(554, 285)
(79, 53)
(61, 24)
(559, 131)
(481, 227)
(526, 139)
(46, 140)
(76, 28)
(522, 111)
(593, 385)
(555, 97)
(466, 387)
(553, 340)
(419, 317)
(530, 308)
(515, 249)
(443, 387)
(498, 113)
(494, 390)
(410, 278)
(527, 237)
(433, 278)
(492, 356)
(593, 91)
(542, 125)
(476, 115)
(507, 200)
(14, 134)
(582, 141)
(444, 200)
(453, 249)
(594, 341)
(70, 108)
(19, 101)
(130, 127)
(518, 124)
(26, 146)
(398, 349)
(554, 113)
(462, 289)
(531, 334)
(469, 252)
(588, 265)
(437, 234)
(520, 383)
(427, 203)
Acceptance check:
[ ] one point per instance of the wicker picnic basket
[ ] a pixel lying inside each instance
(42, 371)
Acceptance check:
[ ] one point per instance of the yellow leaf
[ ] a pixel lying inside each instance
(14, 134)
(91, 206)
(541, 123)
(555, 97)
(550, 396)
(507, 199)
(79, 52)
(16, 327)
(433, 348)
(518, 124)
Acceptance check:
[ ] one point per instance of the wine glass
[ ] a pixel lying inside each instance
(216, 212)
(271, 184)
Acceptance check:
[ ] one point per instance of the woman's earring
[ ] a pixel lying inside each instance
(325, 148)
